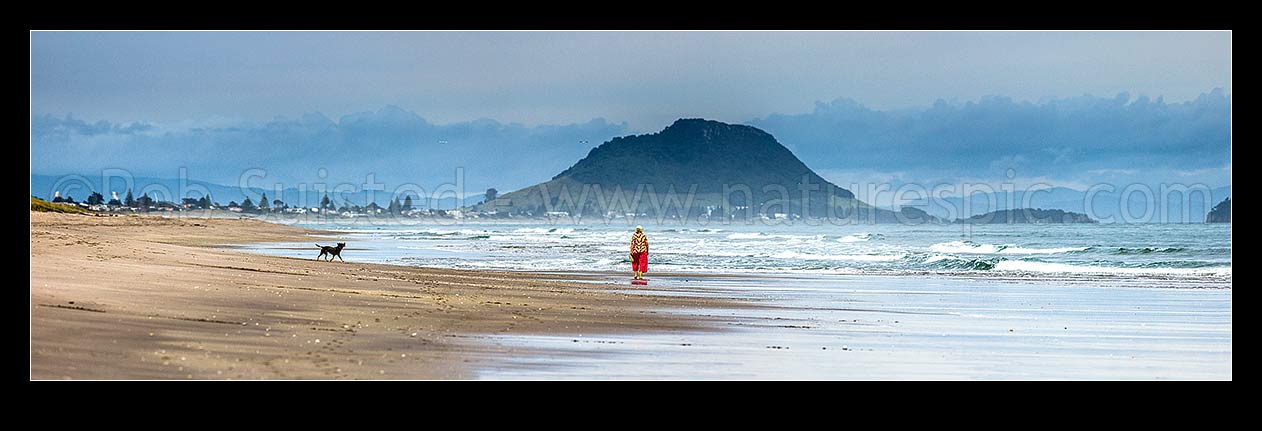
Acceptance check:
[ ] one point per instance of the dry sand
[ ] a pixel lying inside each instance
(136, 297)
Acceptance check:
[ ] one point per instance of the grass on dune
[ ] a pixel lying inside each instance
(41, 205)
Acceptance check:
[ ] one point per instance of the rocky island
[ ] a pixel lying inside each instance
(1027, 215)
(1221, 212)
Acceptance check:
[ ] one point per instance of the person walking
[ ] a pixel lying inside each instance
(639, 253)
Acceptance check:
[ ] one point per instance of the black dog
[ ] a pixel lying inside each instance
(332, 251)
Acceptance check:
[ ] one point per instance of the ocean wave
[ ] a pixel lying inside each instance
(701, 231)
(788, 254)
(1148, 250)
(701, 253)
(1057, 250)
(967, 247)
(760, 235)
(428, 234)
(556, 230)
(955, 263)
(970, 247)
(1180, 264)
(861, 237)
(1064, 268)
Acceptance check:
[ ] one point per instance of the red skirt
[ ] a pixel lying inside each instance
(640, 262)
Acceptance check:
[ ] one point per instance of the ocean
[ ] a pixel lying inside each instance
(1189, 255)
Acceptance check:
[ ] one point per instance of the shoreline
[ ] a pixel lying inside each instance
(137, 297)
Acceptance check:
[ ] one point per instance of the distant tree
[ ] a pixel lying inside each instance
(145, 201)
(263, 205)
(191, 202)
(204, 202)
(233, 204)
(344, 209)
(115, 202)
(57, 199)
(407, 203)
(247, 204)
(69, 199)
(129, 201)
(326, 203)
(278, 204)
(95, 199)
(394, 206)
(491, 194)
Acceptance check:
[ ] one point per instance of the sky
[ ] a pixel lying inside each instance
(216, 102)
(647, 79)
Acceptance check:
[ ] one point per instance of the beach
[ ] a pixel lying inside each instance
(138, 297)
(141, 297)
(631, 205)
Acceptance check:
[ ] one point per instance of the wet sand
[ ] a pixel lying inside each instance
(866, 327)
(137, 297)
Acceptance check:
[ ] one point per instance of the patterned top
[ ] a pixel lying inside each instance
(639, 243)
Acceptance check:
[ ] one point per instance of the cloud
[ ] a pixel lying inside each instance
(1055, 137)
(48, 125)
(392, 144)
(1203, 172)
(1112, 171)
